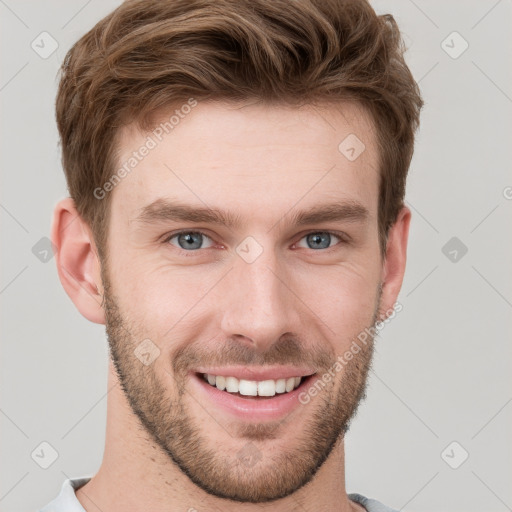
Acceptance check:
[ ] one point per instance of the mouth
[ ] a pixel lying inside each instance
(256, 398)
(253, 389)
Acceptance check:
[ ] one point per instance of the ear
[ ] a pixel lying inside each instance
(393, 266)
(77, 260)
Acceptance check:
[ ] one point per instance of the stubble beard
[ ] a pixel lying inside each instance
(223, 471)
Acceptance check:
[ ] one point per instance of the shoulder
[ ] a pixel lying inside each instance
(66, 501)
(370, 504)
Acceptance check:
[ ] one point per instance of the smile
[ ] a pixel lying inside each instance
(251, 395)
(242, 387)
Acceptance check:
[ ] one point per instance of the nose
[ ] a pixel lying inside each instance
(258, 303)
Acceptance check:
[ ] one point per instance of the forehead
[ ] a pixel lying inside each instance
(255, 160)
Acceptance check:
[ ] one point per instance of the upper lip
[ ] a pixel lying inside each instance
(257, 373)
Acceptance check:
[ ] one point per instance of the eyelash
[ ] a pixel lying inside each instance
(341, 236)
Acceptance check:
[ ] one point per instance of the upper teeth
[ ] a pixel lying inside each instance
(252, 387)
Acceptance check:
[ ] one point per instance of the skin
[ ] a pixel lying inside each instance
(293, 303)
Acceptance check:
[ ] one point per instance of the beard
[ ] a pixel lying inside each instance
(250, 469)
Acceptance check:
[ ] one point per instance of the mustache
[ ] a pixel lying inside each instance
(288, 351)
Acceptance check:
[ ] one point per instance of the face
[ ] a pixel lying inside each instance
(243, 264)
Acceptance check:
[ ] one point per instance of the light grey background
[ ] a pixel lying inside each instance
(443, 365)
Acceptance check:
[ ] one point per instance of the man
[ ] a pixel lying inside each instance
(236, 173)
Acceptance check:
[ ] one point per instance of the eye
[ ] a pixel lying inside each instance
(188, 240)
(191, 241)
(320, 240)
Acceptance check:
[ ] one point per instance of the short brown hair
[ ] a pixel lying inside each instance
(150, 54)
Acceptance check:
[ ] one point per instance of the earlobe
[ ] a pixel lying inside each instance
(78, 264)
(393, 268)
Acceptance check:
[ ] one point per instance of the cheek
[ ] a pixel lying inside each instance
(343, 297)
(160, 297)
(161, 302)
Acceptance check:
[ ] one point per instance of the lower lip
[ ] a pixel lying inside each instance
(251, 408)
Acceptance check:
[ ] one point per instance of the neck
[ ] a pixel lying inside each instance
(136, 474)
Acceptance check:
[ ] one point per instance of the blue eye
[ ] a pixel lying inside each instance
(319, 240)
(188, 240)
(192, 241)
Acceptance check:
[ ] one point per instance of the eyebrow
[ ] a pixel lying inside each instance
(165, 210)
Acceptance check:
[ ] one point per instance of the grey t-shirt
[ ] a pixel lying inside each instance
(66, 501)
